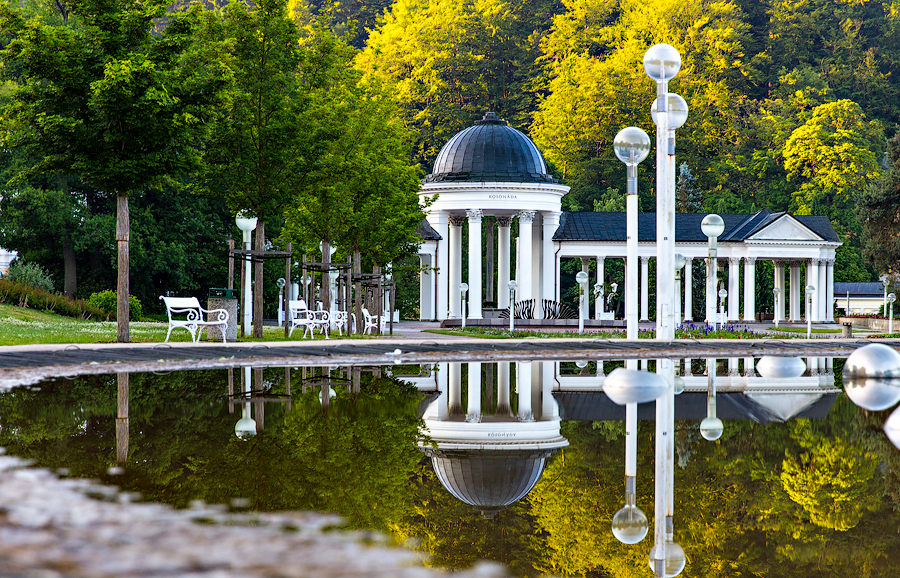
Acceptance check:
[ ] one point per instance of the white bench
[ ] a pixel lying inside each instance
(299, 315)
(186, 312)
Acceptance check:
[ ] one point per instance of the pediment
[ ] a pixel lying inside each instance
(786, 228)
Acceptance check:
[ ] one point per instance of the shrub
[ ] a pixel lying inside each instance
(106, 300)
(25, 296)
(30, 274)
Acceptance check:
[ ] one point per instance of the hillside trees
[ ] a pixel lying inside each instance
(878, 209)
(107, 101)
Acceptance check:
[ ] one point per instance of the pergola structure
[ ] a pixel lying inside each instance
(493, 170)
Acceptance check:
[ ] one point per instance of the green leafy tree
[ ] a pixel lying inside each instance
(878, 209)
(105, 100)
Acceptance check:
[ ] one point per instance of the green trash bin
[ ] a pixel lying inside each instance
(226, 299)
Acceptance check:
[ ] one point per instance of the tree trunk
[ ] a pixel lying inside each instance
(358, 292)
(123, 230)
(70, 282)
(258, 280)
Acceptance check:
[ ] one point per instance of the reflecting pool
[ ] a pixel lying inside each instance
(519, 462)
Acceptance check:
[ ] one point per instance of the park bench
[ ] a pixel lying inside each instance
(186, 312)
(299, 315)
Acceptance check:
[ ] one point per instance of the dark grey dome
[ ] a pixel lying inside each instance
(488, 480)
(490, 151)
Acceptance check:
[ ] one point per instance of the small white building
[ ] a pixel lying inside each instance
(6, 257)
(860, 298)
(493, 170)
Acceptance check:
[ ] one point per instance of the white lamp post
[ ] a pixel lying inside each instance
(810, 290)
(680, 262)
(777, 292)
(581, 278)
(463, 287)
(661, 63)
(512, 303)
(611, 297)
(884, 283)
(712, 226)
(598, 298)
(891, 299)
(246, 224)
(723, 293)
(281, 283)
(631, 145)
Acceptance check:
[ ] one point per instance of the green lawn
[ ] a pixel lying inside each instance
(803, 330)
(21, 326)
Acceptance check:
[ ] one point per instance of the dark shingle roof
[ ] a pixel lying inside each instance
(588, 226)
(426, 232)
(490, 151)
(874, 288)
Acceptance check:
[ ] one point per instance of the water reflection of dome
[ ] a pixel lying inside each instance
(488, 480)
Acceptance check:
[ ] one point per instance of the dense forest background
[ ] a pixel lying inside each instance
(792, 105)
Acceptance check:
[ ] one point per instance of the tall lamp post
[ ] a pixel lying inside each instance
(885, 283)
(777, 292)
(810, 290)
(661, 63)
(631, 145)
(891, 299)
(246, 225)
(463, 288)
(723, 293)
(598, 297)
(680, 262)
(712, 226)
(581, 278)
(512, 303)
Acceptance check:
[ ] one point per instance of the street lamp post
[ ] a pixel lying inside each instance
(581, 278)
(246, 224)
(512, 303)
(611, 297)
(281, 283)
(631, 145)
(712, 226)
(891, 299)
(598, 297)
(885, 283)
(463, 288)
(680, 262)
(723, 293)
(810, 290)
(777, 292)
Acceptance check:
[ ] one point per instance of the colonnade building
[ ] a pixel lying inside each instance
(490, 177)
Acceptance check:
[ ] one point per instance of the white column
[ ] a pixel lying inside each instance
(688, 280)
(524, 267)
(734, 284)
(812, 278)
(454, 387)
(473, 413)
(645, 288)
(475, 296)
(779, 284)
(503, 226)
(503, 388)
(549, 262)
(549, 407)
(442, 400)
(822, 291)
(455, 264)
(796, 291)
(829, 285)
(426, 286)
(750, 289)
(537, 256)
(600, 304)
(523, 389)
(439, 220)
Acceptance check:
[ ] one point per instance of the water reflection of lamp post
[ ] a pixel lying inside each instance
(463, 288)
(629, 387)
(723, 293)
(777, 292)
(581, 278)
(711, 427)
(712, 226)
(246, 225)
(631, 145)
(810, 290)
(891, 299)
(512, 303)
(246, 426)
